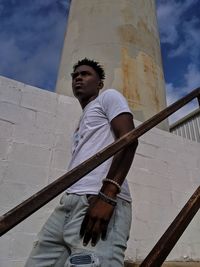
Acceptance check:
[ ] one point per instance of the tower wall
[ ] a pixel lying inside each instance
(123, 36)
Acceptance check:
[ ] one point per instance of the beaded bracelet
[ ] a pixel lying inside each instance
(107, 199)
(113, 182)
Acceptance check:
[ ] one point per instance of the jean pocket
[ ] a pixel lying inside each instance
(84, 199)
(123, 216)
(62, 200)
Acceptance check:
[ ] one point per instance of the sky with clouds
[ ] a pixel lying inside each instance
(179, 26)
(31, 39)
(32, 33)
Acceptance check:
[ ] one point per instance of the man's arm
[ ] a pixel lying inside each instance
(99, 212)
(122, 161)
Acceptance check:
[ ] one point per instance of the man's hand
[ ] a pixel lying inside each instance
(95, 223)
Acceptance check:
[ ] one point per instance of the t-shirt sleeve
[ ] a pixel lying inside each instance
(114, 103)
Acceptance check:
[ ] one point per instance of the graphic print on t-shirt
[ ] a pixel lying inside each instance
(76, 139)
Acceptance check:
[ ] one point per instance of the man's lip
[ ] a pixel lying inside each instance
(78, 85)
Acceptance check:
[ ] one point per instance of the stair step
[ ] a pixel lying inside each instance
(167, 264)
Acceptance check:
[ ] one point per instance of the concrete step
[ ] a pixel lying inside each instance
(168, 264)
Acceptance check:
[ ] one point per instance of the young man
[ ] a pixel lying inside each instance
(91, 225)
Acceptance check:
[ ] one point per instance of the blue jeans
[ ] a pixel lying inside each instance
(59, 243)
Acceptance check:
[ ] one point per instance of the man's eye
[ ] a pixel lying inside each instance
(74, 75)
(84, 73)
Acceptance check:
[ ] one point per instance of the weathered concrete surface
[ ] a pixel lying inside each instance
(36, 127)
(123, 36)
(168, 264)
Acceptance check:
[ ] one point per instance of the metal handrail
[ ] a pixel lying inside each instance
(168, 240)
(29, 206)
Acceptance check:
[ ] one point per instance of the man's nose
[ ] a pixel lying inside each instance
(79, 77)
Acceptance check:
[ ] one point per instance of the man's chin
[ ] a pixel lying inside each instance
(79, 94)
(78, 90)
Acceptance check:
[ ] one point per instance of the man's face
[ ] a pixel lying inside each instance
(85, 83)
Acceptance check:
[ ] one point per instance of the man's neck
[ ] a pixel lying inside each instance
(84, 103)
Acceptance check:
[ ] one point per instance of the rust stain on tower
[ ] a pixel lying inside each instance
(129, 80)
(123, 36)
(150, 78)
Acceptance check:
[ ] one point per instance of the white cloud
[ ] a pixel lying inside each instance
(31, 39)
(192, 81)
(191, 41)
(183, 40)
(167, 22)
(192, 77)
(169, 18)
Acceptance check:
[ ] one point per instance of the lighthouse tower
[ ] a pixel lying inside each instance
(123, 36)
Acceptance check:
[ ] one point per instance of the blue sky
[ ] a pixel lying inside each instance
(32, 33)
(179, 26)
(31, 39)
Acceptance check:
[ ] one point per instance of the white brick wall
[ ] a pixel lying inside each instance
(161, 181)
(35, 131)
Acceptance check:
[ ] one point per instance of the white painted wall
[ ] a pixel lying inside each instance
(35, 131)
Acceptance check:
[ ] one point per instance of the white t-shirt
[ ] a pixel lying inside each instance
(92, 135)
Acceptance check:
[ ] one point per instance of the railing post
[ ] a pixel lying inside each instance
(166, 243)
(198, 98)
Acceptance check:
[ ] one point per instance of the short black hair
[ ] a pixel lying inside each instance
(92, 63)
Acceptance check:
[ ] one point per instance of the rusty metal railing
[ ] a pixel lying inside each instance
(168, 240)
(29, 206)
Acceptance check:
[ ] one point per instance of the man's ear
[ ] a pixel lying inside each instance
(101, 84)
